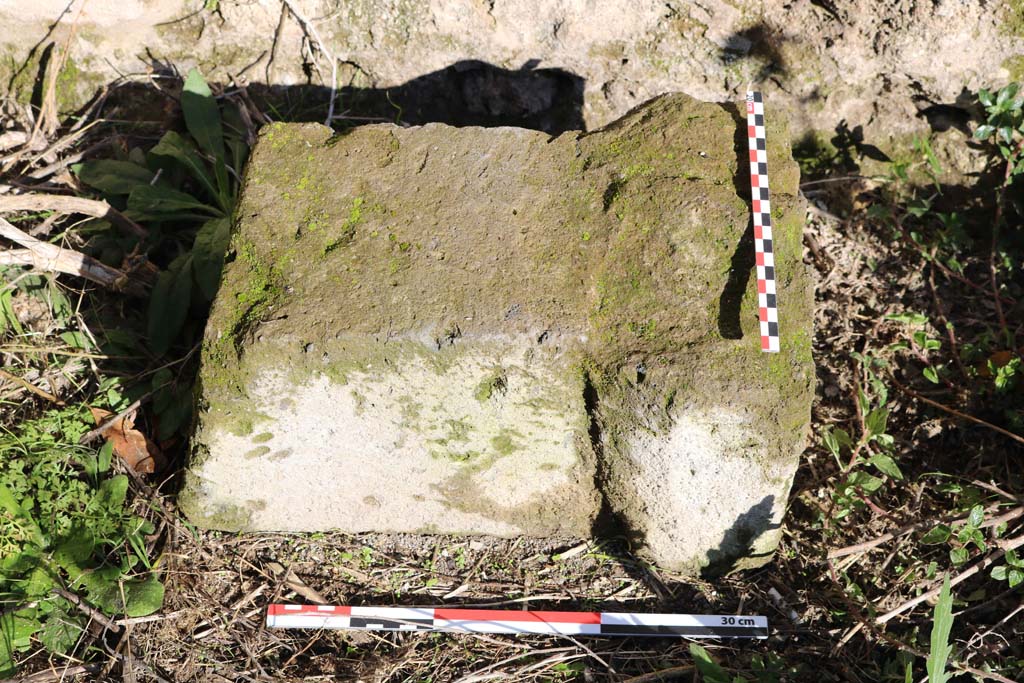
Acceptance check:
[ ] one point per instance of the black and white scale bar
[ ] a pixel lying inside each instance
(760, 204)
(516, 621)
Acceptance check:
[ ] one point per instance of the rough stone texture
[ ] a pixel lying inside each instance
(491, 330)
(892, 67)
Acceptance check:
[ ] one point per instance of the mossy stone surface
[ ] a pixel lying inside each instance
(512, 324)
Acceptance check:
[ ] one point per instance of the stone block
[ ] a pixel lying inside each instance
(496, 331)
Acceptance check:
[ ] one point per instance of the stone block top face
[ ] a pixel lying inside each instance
(476, 329)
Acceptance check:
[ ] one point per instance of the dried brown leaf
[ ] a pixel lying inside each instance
(135, 448)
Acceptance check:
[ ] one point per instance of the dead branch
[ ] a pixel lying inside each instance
(953, 411)
(30, 387)
(45, 256)
(96, 208)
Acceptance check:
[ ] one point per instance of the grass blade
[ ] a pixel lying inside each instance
(942, 624)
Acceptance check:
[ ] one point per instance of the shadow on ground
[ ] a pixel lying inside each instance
(467, 93)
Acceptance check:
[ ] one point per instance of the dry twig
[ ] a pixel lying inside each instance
(45, 256)
(31, 387)
(88, 610)
(953, 411)
(68, 204)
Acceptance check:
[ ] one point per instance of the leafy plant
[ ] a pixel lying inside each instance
(919, 345)
(769, 668)
(710, 670)
(184, 189)
(64, 524)
(968, 535)
(1012, 572)
(872, 450)
(1004, 119)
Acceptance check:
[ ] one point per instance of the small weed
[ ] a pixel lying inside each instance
(873, 449)
(64, 521)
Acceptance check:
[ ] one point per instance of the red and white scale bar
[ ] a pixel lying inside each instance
(516, 621)
(764, 248)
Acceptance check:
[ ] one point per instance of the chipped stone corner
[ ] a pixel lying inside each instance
(705, 496)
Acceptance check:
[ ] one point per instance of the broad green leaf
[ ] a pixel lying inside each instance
(984, 131)
(959, 555)
(103, 458)
(220, 172)
(141, 596)
(16, 630)
(881, 392)
(113, 177)
(176, 412)
(885, 440)
(116, 342)
(886, 465)
(7, 663)
(162, 399)
(970, 534)
(1006, 94)
(865, 481)
(1015, 577)
(999, 573)
(59, 304)
(208, 254)
(61, 632)
(111, 494)
(160, 378)
(102, 587)
(976, 517)
(937, 535)
(831, 442)
(169, 303)
(942, 624)
(930, 375)
(90, 465)
(876, 420)
(709, 669)
(74, 551)
(76, 340)
(202, 116)
(10, 503)
(148, 202)
(836, 439)
(181, 150)
(865, 402)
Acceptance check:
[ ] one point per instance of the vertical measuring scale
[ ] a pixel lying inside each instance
(764, 246)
